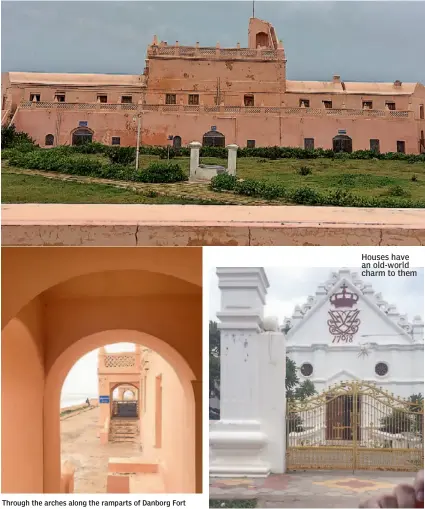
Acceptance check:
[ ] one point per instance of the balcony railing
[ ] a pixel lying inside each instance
(215, 53)
(230, 110)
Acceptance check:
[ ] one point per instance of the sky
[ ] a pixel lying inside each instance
(361, 41)
(292, 286)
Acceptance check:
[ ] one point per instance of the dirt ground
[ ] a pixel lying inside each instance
(80, 445)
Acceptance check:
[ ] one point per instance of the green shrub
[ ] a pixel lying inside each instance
(304, 170)
(397, 191)
(11, 138)
(122, 155)
(414, 178)
(223, 182)
(162, 173)
(250, 187)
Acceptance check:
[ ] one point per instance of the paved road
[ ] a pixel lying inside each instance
(316, 489)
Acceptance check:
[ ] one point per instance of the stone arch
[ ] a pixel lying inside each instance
(40, 308)
(213, 139)
(49, 140)
(261, 40)
(177, 142)
(342, 143)
(81, 135)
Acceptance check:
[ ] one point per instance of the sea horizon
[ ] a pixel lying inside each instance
(75, 398)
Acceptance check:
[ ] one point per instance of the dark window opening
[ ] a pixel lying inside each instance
(81, 136)
(308, 143)
(49, 140)
(306, 369)
(327, 104)
(177, 142)
(116, 140)
(401, 147)
(262, 40)
(213, 139)
(60, 98)
(381, 369)
(367, 105)
(391, 106)
(35, 97)
(421, 111)
(342, 143)
(126, 99)
(250, 143)
(248, 100)
(102, 98)
(374, 146)
(194, 99)
(170, 99)
(305, 103)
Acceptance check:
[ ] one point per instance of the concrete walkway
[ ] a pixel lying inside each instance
(315, 489)
(201, 225)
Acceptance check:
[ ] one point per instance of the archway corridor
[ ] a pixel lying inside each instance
(72, 301)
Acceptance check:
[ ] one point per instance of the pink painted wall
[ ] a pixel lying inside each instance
(77, 301)
(22, 386)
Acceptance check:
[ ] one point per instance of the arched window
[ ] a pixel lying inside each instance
(177, 142)
(82, 135)
(213, 139)
(49, 140)
(342, 143)
(262, 40)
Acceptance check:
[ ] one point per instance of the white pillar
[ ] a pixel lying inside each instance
(195, 147)
(231, 159)
(249, 439)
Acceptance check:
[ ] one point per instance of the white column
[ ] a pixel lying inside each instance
(195, 147)
(231, 159)
(250, 436)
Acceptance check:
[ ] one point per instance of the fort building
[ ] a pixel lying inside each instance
(217, 96)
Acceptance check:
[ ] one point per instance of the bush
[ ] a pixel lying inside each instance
(223, 182)
(304, 170)
(397, 191)
(122, 155)
(162, 173)
(10, 138)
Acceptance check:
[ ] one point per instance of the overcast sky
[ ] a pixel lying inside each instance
(292, 286)
(361, 41)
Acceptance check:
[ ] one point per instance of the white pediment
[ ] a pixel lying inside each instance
(361, 311)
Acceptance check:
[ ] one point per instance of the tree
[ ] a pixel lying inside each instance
(409, 421)
(294, 388)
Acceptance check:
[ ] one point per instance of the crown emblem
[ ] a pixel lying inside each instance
(344, 299)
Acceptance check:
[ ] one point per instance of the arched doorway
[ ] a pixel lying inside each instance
(115, 303)
(82, 135)
(213, 139)
(262, 40)
(177, 142)
(342, 143)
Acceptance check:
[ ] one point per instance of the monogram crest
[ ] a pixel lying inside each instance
(343, 324)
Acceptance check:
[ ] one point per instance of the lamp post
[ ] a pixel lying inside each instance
(139, 126)
(170, 138)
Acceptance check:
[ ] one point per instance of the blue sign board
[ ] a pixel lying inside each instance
(104, 399)
(213, 128)
(342, 131)
(83, 123)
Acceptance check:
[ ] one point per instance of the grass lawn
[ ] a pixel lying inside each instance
(233, 503)
(36, 189)
(368, 178)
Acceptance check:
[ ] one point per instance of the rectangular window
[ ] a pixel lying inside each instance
(193, 99)
(421, 111)
(367, 105)
(60, 98)
(391, 106)
(170, 99)
(126, 99)
(248, 100)
(116, 140)
(401, 147)
(102, 98)
(327, 104)
(308, 143)
(374, 146)
(304, 103)
(35, 97)
(250, 143)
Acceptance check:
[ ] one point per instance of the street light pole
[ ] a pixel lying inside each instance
(139, 118)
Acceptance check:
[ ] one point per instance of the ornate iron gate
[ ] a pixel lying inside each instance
(355, 426)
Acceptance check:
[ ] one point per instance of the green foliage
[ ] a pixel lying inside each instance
(11, 138)
(400, 421)
(397, 191)
(304, 170)
(162, 173)
(223, 182)
(122, 155)
(233, 503)
(294, 388)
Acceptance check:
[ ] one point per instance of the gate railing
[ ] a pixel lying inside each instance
(355, 425)
(116, 405)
